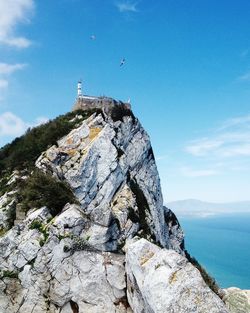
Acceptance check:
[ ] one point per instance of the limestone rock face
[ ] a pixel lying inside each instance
(111, 168)
(161, 280)
(49, 264)
(74, 262)
(7, 210)
(237, 300)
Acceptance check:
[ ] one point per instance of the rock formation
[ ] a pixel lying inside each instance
(237, 300)
(117, 249)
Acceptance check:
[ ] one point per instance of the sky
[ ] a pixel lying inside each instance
(187, 73)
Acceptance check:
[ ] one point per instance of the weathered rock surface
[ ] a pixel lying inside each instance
(62, 271)
(161, 280)
(7, 210)
(111, 169)
(237, 300)
(75, 262)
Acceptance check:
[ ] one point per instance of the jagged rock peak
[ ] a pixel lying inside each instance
(109, 164)
(72, 259)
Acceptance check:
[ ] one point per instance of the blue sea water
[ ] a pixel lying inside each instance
(222, 245)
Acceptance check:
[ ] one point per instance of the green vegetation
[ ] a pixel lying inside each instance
(44, 190)
(210, 281)
(2, 232)
(22, 152)
(8, 274)
(37, 224)
(3, 182)
(78, 244)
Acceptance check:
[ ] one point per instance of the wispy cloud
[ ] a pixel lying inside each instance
(190, 172)
(3, 84)
(236, 121)
(13, 12)
(6, 69)
(231, 139)
(12, 125)
(203, 146)
(245, 77)
(127, 6)
(161, 157)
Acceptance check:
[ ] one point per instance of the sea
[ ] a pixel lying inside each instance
(222, 245)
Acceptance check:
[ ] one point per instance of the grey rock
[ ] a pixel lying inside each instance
(161, 280)
(99, 159)
(237, 300)
(75, 261)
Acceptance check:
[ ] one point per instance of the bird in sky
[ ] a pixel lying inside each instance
(122, 62)
(93, 37)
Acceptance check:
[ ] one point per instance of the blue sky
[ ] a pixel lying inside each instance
(187, 73)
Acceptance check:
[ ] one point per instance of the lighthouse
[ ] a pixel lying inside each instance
(79, 88)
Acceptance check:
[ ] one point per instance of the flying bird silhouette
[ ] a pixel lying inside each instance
(122, 62)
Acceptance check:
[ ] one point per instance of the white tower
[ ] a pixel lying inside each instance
(79, 88)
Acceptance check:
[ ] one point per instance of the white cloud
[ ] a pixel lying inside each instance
(161, 157)
(245, 77)
(6, 69)
(12, 125)
(126, 6)
(236, 121)
(231, 139)
(189, 172)
(3, 84)
(13, 12)
(203, 146)
(40, 120)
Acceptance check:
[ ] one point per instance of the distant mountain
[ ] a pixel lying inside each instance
(193, 207)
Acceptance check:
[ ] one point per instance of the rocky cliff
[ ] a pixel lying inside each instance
(115, 248)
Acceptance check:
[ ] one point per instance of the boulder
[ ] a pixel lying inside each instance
(237, 300)
(161, 280)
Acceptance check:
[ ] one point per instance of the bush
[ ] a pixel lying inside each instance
(36, 224)
(44, 190)
(8, 274)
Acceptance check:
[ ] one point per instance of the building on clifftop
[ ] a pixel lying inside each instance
(85, 102)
